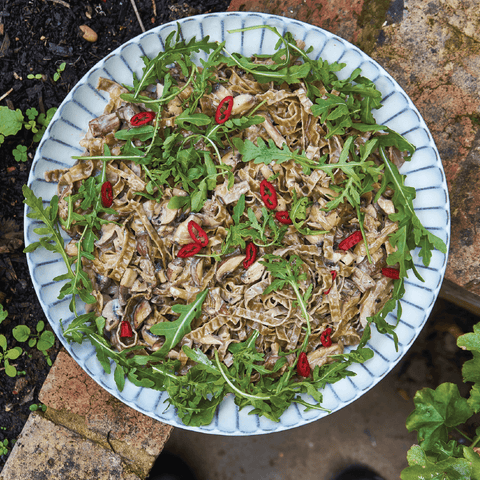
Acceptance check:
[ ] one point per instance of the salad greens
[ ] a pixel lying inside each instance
(175, 159)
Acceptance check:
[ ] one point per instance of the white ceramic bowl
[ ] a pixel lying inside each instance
(424, 172)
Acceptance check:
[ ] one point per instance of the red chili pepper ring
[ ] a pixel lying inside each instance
(126, 329)
(107, 194)
(250, 255)
(303, 367)
(268, 194)
(283, 217)
(223, 117)
(391, 273)
(351, 240)
(197, 233)
(325, 337)
(142, 118)
(189, 250)
(333, 273)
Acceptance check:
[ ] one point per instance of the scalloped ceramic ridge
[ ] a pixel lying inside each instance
(424, 172)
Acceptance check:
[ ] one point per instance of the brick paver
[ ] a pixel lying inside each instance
(79, 403)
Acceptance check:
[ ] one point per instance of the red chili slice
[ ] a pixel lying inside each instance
(351, 240)
(283, 217)
(126, 329)
(325, 337)
(189, 250)
(197, 233)
(268, 194)
(142, 118)
(222, 117)
(107, 194)
(391, 273)
(250, 255)
(303, 367)
(334, 276)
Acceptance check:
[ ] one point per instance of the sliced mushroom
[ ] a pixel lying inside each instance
(154, 341)
(272, 131)
(175, 268)
(386, 205)
(181, 235)
(164, 215)
(143, 310)
(144, 245)
(196, 267)
(227, 267)
(108, 231)
(231, 195)
(104, 124)
(111, 312)
(254, 273)
(242, 103)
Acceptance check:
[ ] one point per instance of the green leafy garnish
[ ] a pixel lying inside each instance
(175, 331)
(188, 154)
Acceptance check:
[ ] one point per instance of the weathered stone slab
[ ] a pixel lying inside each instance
(46, 451)
(464, 15)
(79, 403)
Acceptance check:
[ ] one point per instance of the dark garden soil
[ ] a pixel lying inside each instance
(36, 37)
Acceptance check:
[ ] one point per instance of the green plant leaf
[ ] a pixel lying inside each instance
(3, 313)
(11, 121)
(436, 411)
(176, 330)
(21, 333)
(421, 467)
(10, 370)
(46, 341)
(13, 353)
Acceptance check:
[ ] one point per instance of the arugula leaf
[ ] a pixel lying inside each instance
(298, 215)
(410, 231)
(174, 51)
(78, 282)
(176, 330)
(289, 272)
(268, 152)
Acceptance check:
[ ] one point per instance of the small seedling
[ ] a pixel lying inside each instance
(40, 406)
(37, 76)
(10, 354)
(58, 73)
(12, 121)
(20, 153)
(43, 339)
(4, 447)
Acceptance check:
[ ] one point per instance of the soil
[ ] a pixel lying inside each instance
(36, 37)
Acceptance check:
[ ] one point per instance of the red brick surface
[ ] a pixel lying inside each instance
(68, 388)
(433, 50)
